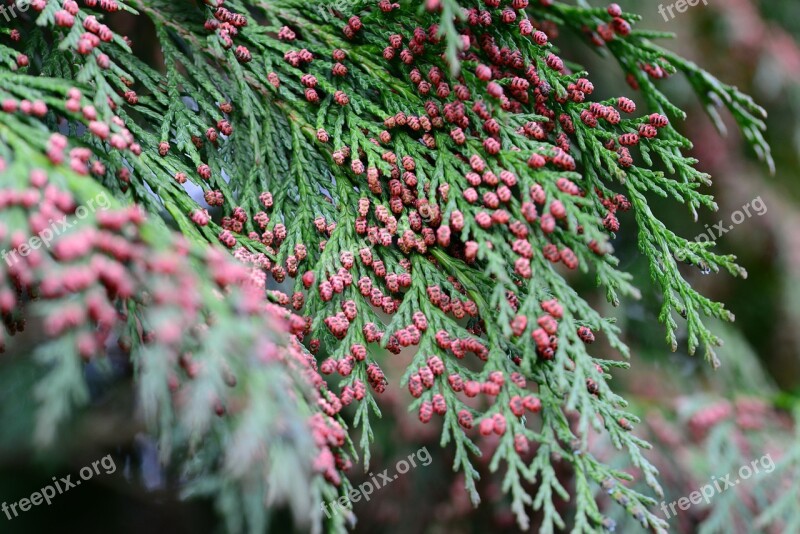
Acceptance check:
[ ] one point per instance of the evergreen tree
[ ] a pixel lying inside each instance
(384, 175)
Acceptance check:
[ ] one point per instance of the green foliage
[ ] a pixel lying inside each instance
(313, 154)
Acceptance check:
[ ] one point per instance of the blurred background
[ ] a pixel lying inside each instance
(702, 423)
